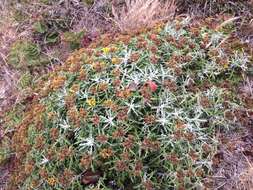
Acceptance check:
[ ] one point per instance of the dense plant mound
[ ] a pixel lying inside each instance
(139, 113)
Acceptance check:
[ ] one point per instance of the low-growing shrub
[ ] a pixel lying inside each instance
(25, 80)
(24, 53)
(74, 39)
(136, 111)
(47, 19)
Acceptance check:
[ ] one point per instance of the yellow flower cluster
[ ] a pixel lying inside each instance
(91, 102)
(116, 61)
(108, 103)
(51, 181)
(106, 50)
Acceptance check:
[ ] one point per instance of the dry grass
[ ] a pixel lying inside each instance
(8, 77)
(212, 7)
(142, 13)
(235, 169)
(94, 19)
(245, 178)
(247, 88)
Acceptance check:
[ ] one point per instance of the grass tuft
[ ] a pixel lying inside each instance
(141, 13)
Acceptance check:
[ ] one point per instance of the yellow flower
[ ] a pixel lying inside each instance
(51, 181)
(91, 102)
(115, 60)
(158, 28)
(108, 102)
(225, 66)
(106, 50)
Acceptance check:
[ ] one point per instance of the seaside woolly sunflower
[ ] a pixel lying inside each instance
(140, 115)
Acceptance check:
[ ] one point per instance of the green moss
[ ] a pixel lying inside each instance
(40, 27)
(88, 2)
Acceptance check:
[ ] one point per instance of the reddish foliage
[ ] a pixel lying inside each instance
(90, 177)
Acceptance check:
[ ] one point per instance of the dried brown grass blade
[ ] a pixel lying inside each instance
(142, 13)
